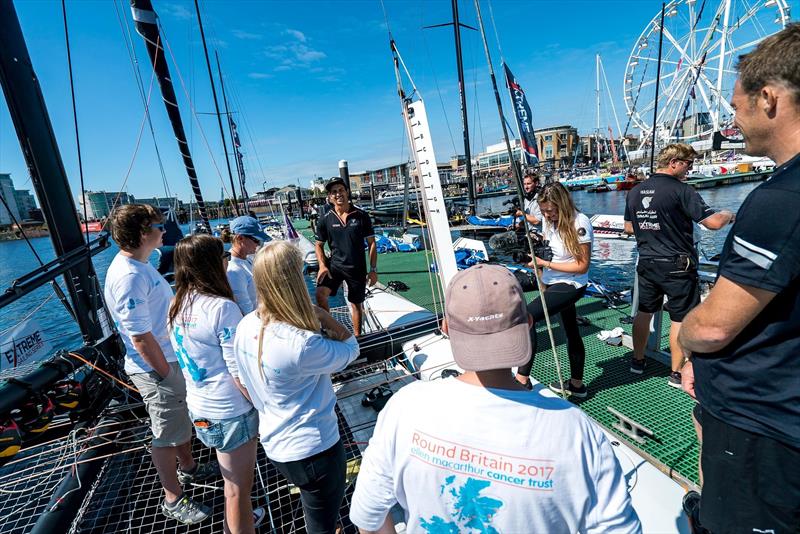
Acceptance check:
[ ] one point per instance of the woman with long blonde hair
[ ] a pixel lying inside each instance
(565, 267)
(285, 362)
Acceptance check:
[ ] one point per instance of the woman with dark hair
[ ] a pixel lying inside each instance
(285, 362)
(202, 319)
(564, 278)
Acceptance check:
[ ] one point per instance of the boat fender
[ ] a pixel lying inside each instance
(10, 440)
(377, 397)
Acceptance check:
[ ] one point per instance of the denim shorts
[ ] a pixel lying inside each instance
(226, 434)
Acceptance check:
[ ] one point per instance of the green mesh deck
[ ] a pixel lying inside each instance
(645, 398)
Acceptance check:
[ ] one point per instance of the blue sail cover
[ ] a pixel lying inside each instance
(522, 112)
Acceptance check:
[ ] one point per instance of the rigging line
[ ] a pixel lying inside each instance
(21, 230)
(236, 101)
(128, 38)
(75, 117)
(496, 34)
(192, 108)
(135, 150)
(438, 92)
(526, 224)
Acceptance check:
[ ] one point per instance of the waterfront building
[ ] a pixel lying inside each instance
(98, 204)
(7, 192)
(26, 204)
(557, 145)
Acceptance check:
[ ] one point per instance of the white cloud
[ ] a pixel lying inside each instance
(259, 75)
(177, 11)
(297, 34)
(246, 36)
(294, 55)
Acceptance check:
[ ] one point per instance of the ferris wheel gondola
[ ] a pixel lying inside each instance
(702, 40)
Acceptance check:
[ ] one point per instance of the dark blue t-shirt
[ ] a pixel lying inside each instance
(754, 383)
(661, 210)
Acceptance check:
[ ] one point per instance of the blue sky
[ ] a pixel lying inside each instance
(310, 82)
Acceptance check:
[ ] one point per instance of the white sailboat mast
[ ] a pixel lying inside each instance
(597, 104)
(419, 137)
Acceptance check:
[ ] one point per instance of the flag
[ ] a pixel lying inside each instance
(234, 133)
(522, 112)
(291, 233)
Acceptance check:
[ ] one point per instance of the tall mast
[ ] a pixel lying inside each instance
(239, 165)
(597, 104)
(146, 25)
(39, 147)
(216, 108)
(658, 84)
(464, 119)
(515, 169)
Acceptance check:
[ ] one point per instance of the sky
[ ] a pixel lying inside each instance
(309, 83)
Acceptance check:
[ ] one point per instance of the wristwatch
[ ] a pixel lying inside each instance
(373, 270)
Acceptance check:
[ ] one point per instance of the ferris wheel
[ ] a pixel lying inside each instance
(702, 42)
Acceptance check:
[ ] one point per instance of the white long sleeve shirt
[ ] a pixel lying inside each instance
(463, 458)
(294, 395)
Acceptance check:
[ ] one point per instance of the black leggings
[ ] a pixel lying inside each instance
(321, 479)
(561, 299)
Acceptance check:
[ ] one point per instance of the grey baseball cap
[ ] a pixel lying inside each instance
(487, 319)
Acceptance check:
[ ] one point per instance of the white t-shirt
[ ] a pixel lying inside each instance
(240, 276)
(294, 397)
(463, 458)
(138, 298)
(202, 336)
(532, 208)
(561, 255)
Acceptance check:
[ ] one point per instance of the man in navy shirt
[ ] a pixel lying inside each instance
(344, 228)
(745, 337)
(660, 212)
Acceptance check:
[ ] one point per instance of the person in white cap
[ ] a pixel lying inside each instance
(479, 452)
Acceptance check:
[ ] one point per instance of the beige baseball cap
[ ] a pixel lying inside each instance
(487, 320)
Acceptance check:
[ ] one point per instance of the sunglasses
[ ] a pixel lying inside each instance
(253, 239)
(157, 226)
(688, 162)
(226, 255)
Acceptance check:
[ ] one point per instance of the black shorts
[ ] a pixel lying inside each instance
(356, 284)
(657, 279)
(751, 483)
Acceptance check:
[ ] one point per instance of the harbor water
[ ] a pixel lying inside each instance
(612, 260)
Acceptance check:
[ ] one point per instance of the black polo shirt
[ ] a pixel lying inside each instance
(661, 210)
(754, 383)
(346, 241)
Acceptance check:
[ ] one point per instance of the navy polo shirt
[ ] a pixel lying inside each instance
(754, 382)
(346, 241)
(662, 209)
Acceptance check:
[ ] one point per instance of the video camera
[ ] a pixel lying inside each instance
(541, 249)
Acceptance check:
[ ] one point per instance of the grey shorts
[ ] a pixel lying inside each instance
(165, 401)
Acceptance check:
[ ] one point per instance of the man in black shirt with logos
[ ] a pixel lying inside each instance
(745, 337)
(660, 212)
(345, 227)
